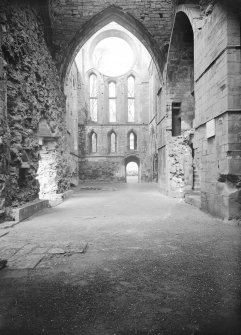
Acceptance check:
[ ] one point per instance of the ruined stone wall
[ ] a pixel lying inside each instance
(175, 151)
(218, 98)
(104, 165)
(33, 93)
(98, 163)
(4, 130)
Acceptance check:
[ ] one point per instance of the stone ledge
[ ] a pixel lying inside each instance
(194, 200)
(60, 198)
(27, 210)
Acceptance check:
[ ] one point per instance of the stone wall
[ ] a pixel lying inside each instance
(174, 151)
(73, 95)
(218, 98)
(4, 130)
(34, 94)
(104, 165)
(38, 151)
(217, 78)
(180, 70)
(152, 152)
(98, 168)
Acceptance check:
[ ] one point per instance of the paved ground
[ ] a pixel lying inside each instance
(121, 260)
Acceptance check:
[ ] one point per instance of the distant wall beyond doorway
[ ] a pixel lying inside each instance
(132, 172)
(132, 169)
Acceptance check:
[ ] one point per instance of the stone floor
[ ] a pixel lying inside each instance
(121, 260)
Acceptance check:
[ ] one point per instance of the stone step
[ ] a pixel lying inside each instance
(27, 210)
(193, 199)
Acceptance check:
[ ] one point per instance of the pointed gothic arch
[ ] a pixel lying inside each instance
(131, 140)
(112, 141)
(98, 21)
(92, 139)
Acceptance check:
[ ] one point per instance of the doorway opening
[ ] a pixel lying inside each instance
(132, 172)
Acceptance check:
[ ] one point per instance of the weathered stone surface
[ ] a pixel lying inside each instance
(56, 251)
(175, 152)
(34, 93)
(3, 233)
(215, 68)
(38, 124)
(4, 129)
(29, 209)
(26, 262)
(3, 263)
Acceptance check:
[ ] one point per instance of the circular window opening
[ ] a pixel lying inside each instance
(113, 56)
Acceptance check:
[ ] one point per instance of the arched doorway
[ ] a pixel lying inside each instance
(132, 169)
(132, 172)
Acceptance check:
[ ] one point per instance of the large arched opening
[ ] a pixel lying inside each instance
(115, 79)
(100, 20)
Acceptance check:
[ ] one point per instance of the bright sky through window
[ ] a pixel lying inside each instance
(113, 56)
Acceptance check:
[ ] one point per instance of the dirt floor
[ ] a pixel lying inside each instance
(121, 260)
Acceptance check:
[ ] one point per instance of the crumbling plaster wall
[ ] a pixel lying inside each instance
(34, 93)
